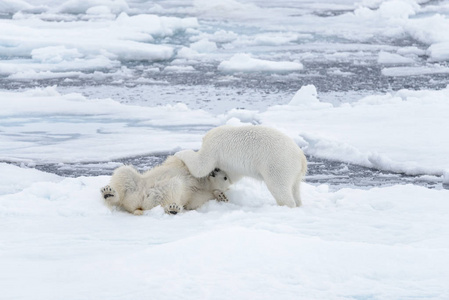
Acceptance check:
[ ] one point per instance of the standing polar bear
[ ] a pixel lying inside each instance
(170, 185)
(257, 151)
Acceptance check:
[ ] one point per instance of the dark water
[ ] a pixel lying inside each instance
(320, 171)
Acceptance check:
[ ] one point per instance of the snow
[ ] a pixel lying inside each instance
(245, 63)
(78, 6)
(307, 97)
(179, 69)
(357, 83)
(375, 131)
(10, 173)
(64, 47)
(12, 6)
(64, 242)
(439, 51)
(413, 71)
(204, 45)
(446, 177)
(225, 8)
(393, 59)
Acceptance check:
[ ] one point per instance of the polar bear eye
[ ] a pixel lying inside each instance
(226, 178)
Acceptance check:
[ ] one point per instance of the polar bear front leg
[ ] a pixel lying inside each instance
(220, 196)
(199, 165)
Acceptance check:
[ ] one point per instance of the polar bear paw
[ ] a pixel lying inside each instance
(107, 192)
(220, 196)
(173, 209)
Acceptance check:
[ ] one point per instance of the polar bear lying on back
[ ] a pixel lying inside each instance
(256, 151)
(170, 185)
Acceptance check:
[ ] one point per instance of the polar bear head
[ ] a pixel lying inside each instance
(219, 180)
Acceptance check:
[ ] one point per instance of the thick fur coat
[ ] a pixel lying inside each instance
(170, 185)
(255, 151)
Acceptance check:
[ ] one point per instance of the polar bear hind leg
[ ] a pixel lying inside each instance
(281, 191)
(297, 191)
(168, 194)
(126, 180)
(299, 179)
(109, 194)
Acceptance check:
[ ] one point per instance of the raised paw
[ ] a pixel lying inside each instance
(173, 209)
(220, 196)
(107, 192)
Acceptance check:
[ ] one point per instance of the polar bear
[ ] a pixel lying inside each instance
(252, 150)
(170, 185)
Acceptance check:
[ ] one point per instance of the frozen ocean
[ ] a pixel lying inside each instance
(362, 87)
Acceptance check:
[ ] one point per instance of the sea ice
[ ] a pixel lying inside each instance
(388, 132)
(386, 58)
(245, 63)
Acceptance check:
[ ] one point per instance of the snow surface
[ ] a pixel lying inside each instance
(360, 82)
(382, 243)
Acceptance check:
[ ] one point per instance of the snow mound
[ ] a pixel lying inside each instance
(307, 96)
(439, 52)
(446, 177)
(392, 9)
(83, 6)
(204, 45)
(13, 6)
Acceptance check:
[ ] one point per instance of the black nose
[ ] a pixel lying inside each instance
(217, 170)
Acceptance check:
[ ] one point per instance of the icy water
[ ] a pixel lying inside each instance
(320, 171)
(345, 51)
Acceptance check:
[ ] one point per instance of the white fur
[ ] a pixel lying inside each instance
(256, 151)
(170, 185)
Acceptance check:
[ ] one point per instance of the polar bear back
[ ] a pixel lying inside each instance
(172, 167)
(252, 150)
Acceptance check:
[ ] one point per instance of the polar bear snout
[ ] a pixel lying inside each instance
(219, 180)
(214, 172)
